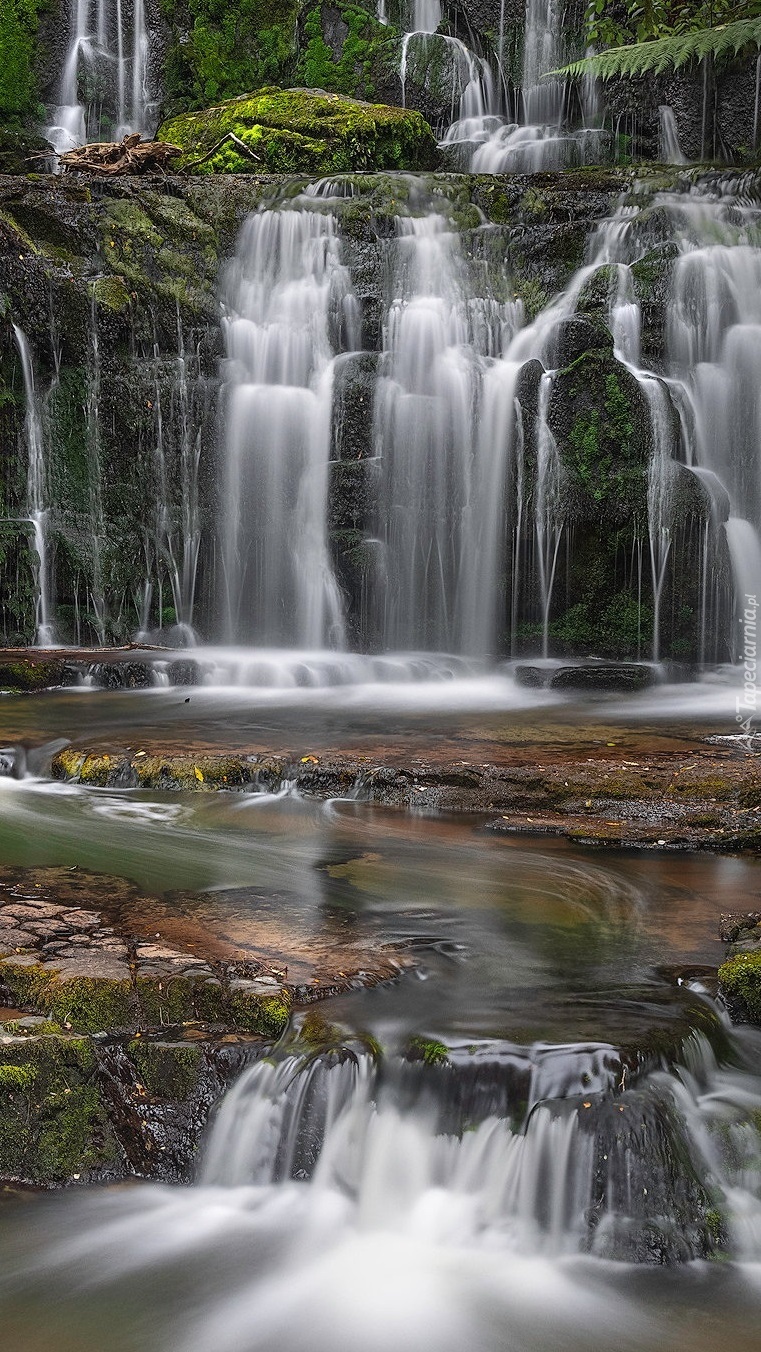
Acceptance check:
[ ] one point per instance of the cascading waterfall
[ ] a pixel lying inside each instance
(338, 1208)
(289, 310)
(36, 488)
(443, 480)
(714, 348)
(581, 1162)
(537, 138)
(670, 149)
(105, 83)
(476, 91)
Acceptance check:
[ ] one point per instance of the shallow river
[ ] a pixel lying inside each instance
(410, 1207)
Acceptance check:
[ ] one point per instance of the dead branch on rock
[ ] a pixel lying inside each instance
(131, 155)
(229, 136)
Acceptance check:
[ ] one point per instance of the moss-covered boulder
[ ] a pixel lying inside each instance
(295, 131)
(740, 986)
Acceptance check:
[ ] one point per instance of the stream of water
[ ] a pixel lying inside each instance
(534, 1191)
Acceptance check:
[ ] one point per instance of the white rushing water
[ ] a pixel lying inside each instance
(289, 309)
(540, 135)
(439, 483)
(331, 1214)
(105, 84)
(36, 490)
(454, 514)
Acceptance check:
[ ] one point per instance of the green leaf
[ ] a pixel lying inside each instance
(660, 54)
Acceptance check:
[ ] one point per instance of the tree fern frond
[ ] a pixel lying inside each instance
(661, 54)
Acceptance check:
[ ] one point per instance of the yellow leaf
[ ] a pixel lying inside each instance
(309, 760)
(198, 774)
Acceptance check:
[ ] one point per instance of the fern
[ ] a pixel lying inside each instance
(645, 58)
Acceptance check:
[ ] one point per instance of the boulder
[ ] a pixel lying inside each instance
(295, 131)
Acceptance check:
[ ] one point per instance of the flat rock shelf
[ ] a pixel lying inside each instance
(700, 797)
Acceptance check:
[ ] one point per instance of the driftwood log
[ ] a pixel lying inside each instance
(131, 155)
(135, 156)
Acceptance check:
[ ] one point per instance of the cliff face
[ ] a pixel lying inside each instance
(116, 286)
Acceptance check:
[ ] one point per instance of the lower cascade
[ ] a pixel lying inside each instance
(338, 1203)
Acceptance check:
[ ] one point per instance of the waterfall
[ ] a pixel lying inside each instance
(442, 480)
(289, 309)
(104, 88)
(97, 522)
(558, 1169)
(548, 516)
(670, 150)
(714, 349)
(36, 490)
(538, 138)
(426, 15)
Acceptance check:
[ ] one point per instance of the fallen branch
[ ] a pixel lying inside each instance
(229, 136)
(131, 155)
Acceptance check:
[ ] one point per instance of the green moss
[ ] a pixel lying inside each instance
(218, 50)
(111, 293)
(430, 1051)
(534, 296)
(740, 985)
(597, 435)
(18, 46)
(620, 626)
(178, 1000)
(533, 204)
(166, 1071)
(606, 458)
(303, 131)
(268, 1014)
(350, 71)
(85, 1004)
(159, 250)
(17, 1077)
(53, 1125)
(29, 675)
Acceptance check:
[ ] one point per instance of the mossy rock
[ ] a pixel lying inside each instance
(740, 986)
(54, 1126)
(88, 1004)
(295, 131)
(600, 419)
(30, 675)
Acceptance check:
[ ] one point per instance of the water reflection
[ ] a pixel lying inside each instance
(508, 938)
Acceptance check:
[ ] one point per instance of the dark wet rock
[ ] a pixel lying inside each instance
(576, 336)
(185, 672)
(76, 1110)
(122, 675)
(736, 925)
(534, 678)
(619, 676)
